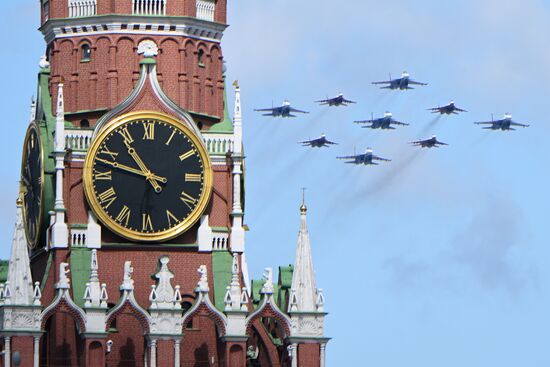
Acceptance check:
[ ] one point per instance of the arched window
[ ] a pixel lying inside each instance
(84, 123)
(200, 57)
(86, 52)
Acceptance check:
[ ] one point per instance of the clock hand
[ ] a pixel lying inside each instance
(132, 170)
(143, 167)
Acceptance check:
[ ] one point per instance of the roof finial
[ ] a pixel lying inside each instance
(303, 208)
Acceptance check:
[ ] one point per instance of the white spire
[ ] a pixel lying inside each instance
(304, 291)
(237, 120)
(19, 272)
(60, 121)
(234, 292)
(92, 294)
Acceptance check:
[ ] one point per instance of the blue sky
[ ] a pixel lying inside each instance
(437, 258)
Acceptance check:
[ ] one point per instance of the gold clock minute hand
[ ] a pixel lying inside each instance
(132, 170)
(143, 167)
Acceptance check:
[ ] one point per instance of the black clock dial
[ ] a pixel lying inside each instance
(148, 178)
(31, 184)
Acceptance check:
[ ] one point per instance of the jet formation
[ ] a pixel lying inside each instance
(386, 122)
(365, 159)
(428, 143)
(447, 109)
(503, 124)
(285, 110)
(318, 143)
(402, 83)
(339, 100)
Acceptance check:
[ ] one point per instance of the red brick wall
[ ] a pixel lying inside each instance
(25, 346)
(109, 77)
(129, 343)
(199, 345)
(165, 353)
(308, 355)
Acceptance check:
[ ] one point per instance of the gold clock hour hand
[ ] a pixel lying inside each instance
(132, 170)
(148, 174)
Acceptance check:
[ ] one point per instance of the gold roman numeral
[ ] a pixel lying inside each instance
(106, 198)
(146, 224)
(103, 176)
(106, 151)
(124, 215)
(149, 128)
(186, 155)
(192, 177)
(126, 135)
(188, 200)
(171, 217)
(170, 138)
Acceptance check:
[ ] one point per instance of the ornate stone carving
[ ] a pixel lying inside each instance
(148, 48)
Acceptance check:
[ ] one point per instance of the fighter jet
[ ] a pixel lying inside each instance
(504, 124)
(284, 111)
(385, 122)
(400, 83)
(365, 159)
(447, 110)
(339, 100)
(428, 143)
(318, 143)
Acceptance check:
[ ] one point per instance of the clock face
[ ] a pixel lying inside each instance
(147, 177)
(32, 179)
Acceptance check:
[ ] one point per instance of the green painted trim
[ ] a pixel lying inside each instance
(86, 111)
(226, 125)
(47, 271)
(221, 268)
(148, 61)
(79, 226)
(220, 229)
(4, 268)
(80, 272)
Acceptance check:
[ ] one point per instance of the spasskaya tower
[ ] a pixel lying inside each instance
(129, 244)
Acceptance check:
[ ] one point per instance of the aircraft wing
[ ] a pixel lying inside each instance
(418, 142)
(487, 122)
(416, 83)
(460, 109)
(265, 109)
(381, 159)
(323, 101)
(512, 123)
(364, 121)
(395, 122)
(383, 82)
(297, 110)
(348, 101)
(330, 142)
(440, 143)
(348, 157)
(435, 109)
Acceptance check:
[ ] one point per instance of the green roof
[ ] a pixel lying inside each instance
(4, 265)
(221, 267)
(80, 272)
(285, 276)
(257, 285)
(226, 125)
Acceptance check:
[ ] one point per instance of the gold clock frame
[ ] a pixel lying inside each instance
(107, 220)
(33, 242)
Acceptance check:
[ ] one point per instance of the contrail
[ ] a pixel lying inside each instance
(429, 126)
(314, 120)
(481, 139)
(386, 181)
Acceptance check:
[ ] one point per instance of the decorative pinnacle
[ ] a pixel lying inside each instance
(236, 84)
(303, 208)
(19, 201)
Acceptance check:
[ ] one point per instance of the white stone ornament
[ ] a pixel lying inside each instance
(164, 290)
(44, 62)
(148, 48)
(268, 285)
(202, 286)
